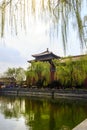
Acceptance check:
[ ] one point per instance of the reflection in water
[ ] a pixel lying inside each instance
(33, 114)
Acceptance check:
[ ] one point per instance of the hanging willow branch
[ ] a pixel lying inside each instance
(67, 8)
(19, 11)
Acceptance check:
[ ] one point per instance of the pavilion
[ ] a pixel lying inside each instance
(47, 56)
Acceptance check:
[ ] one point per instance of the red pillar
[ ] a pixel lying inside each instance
(85, 83)
(52, 73)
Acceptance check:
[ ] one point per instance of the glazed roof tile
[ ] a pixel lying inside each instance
(45, 53)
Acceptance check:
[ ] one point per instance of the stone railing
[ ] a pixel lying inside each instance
(53, 93)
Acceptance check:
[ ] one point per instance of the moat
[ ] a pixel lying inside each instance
(27, 113)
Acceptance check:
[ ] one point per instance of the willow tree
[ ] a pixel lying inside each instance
(15, 15)
(71, 73)
(17, 73)
(38, 73)
(31, 75)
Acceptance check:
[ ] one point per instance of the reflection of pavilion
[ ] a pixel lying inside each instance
(47, 56)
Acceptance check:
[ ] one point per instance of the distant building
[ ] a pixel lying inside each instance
(7, 82)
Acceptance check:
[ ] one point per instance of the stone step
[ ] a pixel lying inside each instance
(81, 126)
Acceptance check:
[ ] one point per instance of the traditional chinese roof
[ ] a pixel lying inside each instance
(45, 56)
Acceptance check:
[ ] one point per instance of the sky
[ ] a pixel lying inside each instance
(15, 51)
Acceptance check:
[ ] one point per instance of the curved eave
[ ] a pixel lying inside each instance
(30, 61)
(46, 54)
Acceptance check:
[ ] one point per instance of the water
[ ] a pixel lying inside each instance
(41, 114)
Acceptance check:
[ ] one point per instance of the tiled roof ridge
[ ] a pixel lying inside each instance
(42, 53)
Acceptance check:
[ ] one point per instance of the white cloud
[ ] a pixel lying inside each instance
(10, 57)
(16, 51)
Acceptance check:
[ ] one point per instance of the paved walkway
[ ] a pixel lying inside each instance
(81, 126)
